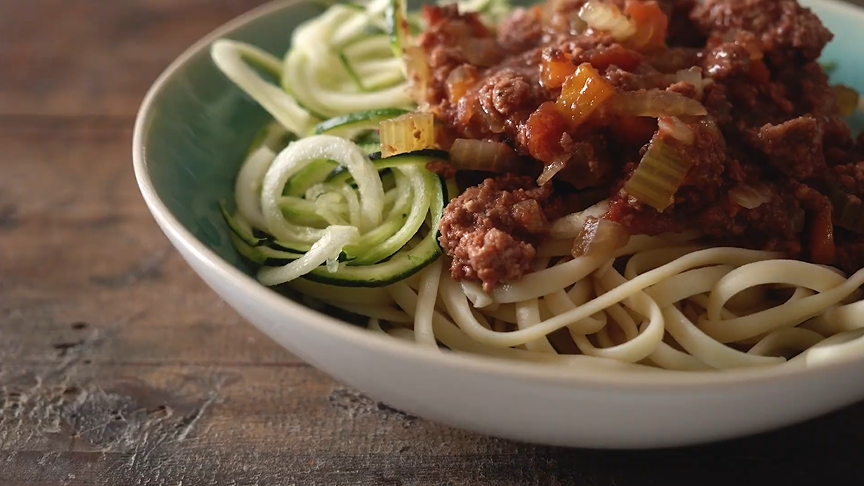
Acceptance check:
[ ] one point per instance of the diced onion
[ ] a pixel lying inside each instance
(656, 103)
(469, 154)
(607, 17)
(550, 171)
(600, 237)
(750, 196)
(407, 133)
(561, 20)
(692, 76)
(677, 129)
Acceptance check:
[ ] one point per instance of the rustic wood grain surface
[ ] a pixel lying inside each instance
(119, 367)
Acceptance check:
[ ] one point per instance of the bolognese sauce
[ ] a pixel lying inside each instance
(713, 115)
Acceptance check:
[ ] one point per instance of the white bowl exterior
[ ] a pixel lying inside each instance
(457, 391)
(509, 406)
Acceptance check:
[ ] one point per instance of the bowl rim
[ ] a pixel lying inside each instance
(334, 328)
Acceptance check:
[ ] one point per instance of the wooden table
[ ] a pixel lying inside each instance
(119, 367)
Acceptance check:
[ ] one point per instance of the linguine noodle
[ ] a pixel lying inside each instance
(634, 317)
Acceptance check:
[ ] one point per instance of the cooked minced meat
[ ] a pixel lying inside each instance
(772, 123)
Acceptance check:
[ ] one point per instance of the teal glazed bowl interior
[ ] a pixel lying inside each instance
(190, 138)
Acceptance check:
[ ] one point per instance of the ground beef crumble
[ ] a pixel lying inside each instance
(772, 123)
(492, 230)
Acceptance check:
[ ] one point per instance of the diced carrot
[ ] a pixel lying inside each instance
(582, 93)
(555, 69)
(822, 248)
(652, 25)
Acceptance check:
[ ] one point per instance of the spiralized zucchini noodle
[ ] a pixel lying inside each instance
(336, 201)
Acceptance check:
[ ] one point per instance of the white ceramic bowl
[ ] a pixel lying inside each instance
(534, 403)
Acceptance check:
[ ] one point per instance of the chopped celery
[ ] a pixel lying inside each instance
(408, 133)
(659, 175)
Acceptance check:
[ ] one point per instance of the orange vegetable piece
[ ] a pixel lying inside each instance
(652, 25)
(555, 69)
(582, 93)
